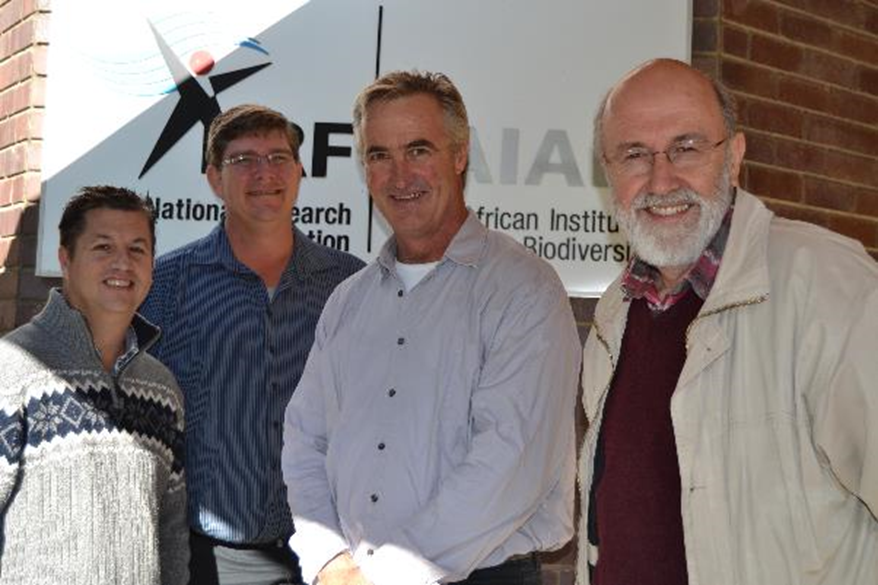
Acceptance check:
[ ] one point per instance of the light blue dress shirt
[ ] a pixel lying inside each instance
(432, 432)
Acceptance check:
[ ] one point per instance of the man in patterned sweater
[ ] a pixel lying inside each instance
(91, 426)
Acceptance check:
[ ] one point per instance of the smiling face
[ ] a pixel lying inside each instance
(261, 196)
(669, 213)
(415, 174)
(109, 270)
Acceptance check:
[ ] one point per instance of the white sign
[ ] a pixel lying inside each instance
(132, 86)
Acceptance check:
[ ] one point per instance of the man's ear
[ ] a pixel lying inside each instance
(461, 157)
(739, 147)
(63, 260)
(215, 180)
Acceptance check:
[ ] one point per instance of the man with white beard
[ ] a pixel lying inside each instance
(729, 379)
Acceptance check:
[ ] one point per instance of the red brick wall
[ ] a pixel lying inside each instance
(805, 73)
(23, 48)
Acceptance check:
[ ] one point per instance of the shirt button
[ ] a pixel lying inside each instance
(391, 392)
(400, 341)
(381, 446)
(399, 293)
(373, 498)
(370, 552)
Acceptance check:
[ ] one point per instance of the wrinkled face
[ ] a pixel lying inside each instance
(110, 268)
(414, 174)
(669, 212)
(261, 192)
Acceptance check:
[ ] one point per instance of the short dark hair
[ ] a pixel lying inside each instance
(247, 120)
(101, 197)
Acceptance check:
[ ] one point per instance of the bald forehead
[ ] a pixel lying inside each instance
(665, 77)
(664, 91)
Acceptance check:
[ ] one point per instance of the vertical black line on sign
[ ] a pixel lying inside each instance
(377, 73)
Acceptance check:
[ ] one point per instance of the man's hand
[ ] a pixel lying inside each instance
(342, 570)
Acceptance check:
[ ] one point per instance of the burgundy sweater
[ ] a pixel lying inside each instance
(635, 508)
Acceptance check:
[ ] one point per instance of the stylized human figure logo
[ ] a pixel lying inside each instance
(195, 104)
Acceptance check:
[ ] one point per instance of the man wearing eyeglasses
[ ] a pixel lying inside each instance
(730, 376)
(238, 310)
(431, 438)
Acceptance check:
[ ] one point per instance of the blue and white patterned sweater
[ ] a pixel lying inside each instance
(91, 472)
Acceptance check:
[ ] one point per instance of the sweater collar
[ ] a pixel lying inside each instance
(68, 327)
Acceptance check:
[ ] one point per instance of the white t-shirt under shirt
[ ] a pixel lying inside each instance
(412, 274)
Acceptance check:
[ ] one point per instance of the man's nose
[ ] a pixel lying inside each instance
(122, 259)
(400, 170)
(662, 175)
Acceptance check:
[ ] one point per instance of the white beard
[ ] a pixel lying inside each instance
(681, 244)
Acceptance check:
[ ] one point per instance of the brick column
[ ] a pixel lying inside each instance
(23, 48)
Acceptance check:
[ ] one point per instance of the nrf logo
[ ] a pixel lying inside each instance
(195, 104)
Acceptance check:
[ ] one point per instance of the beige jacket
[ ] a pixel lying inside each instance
(775, 413)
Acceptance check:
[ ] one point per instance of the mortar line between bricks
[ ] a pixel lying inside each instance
(761, 98)
(800, 44)
(21, 141)
(818, 145)
(767, 68)
(805, 206)
(763, 165)
(823, 19)
(16, 83)
(800, 76)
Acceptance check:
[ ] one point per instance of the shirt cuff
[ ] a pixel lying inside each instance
(315, 545)
(397, 564)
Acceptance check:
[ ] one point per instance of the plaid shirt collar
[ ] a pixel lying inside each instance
(640, 279)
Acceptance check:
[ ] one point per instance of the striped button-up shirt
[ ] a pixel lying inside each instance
(238, 355)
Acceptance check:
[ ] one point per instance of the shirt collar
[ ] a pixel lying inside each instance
(640, 280)
(467, 247)
(308, 257)
(131, 349)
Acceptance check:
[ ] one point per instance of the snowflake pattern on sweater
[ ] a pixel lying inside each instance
(91, 463)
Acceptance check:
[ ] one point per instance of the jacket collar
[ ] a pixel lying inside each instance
(742, 276)
(743, 273)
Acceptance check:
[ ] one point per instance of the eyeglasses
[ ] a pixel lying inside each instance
(249, 161)
(684, 155)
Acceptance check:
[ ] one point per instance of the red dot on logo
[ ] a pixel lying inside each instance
(201, 63)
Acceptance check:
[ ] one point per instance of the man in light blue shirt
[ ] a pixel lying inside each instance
(431, 437)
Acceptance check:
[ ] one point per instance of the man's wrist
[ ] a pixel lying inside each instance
(340, 562)
(392, 564)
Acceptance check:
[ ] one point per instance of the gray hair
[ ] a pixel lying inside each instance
(397, 84)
